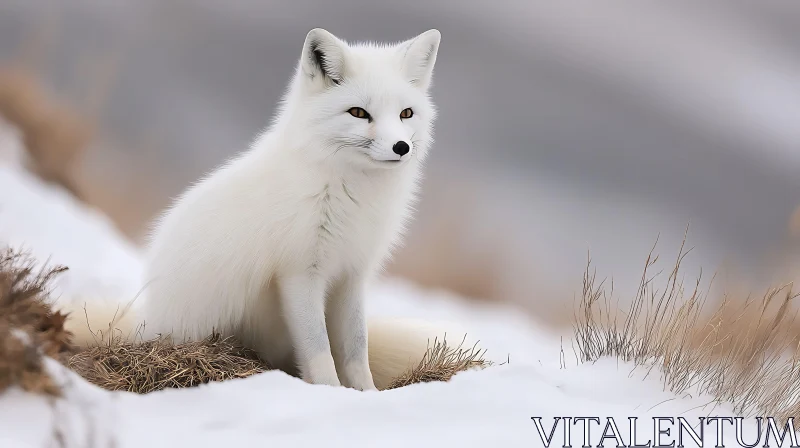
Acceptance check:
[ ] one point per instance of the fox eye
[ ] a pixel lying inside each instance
(359, 113)
(407, 113)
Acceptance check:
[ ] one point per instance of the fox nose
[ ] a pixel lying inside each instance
(401, 148)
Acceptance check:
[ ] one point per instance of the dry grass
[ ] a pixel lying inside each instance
(54, 135)
(743, 351)
(29, 329)
(158, 364)
(440, 363)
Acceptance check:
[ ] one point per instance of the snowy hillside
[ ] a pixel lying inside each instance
(477, 408)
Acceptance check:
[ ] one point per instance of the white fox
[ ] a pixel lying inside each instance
(276, 246)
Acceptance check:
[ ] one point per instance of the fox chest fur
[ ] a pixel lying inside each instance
(344, 225)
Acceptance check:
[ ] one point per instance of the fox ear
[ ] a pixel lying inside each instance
(419, 57)
(323, 56)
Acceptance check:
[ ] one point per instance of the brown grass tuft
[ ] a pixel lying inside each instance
(440, 363)
(148, 366)
(741, 350)
(54, 136)
(29, 329)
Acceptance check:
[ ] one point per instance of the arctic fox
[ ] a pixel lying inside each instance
(276, 246)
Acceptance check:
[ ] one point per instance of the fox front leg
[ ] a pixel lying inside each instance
(347, 326)
(303, 300)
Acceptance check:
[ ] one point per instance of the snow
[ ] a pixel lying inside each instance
(477, 408)
(474, 409)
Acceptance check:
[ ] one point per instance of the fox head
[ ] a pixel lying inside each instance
(364, 104)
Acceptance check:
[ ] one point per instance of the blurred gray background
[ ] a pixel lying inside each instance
(565, 127)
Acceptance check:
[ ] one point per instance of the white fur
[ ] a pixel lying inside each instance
(276, 246)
